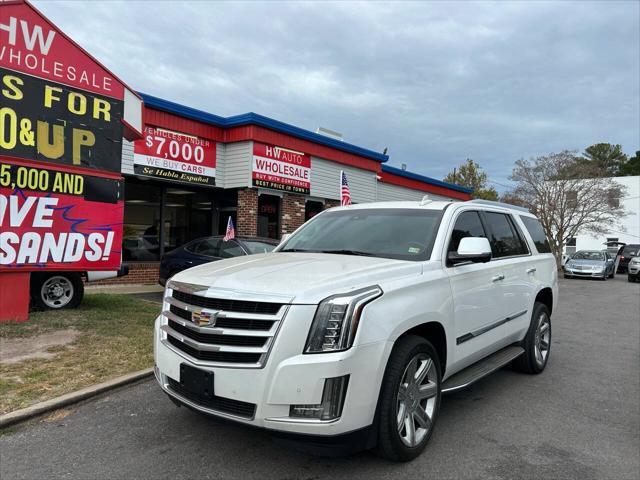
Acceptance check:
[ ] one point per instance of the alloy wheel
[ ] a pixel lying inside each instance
(542, 339)
(417, 397)
(56, 291)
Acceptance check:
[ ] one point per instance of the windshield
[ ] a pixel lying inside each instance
(258, 247)
(587, 256)
(401, 234)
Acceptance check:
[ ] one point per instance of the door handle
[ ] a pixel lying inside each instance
(531, 270)
(497, 278)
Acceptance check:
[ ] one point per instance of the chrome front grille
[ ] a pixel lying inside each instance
(240, 338)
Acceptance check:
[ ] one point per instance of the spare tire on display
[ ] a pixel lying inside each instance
(56, 290)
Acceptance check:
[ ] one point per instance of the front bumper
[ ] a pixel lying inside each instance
(572, 272)
(287, 378)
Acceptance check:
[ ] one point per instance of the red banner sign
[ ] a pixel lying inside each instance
(58, 220)
(30, 44)
(176, 156)
(281, 169)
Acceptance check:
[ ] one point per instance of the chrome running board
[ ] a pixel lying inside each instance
(481, 369)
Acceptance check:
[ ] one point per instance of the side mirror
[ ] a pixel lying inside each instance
(471, 249)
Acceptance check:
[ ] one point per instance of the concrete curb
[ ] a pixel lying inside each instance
(23, 414)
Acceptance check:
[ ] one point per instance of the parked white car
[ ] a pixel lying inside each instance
(352, 329)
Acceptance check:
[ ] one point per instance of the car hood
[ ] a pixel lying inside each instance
(303, 278)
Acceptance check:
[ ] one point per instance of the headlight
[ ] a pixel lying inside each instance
(336, 320)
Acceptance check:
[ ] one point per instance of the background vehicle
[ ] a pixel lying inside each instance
(633, 269)
(591, 264)
(210, 249)
(56, 290)
(626, 253)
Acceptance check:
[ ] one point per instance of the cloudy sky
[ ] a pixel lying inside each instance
(435, 82)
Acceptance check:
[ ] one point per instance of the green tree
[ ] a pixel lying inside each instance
(632, 166)
(605, 158)
(470, 175)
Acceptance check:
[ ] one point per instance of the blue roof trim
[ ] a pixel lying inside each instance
(422, 178)
(262, 121)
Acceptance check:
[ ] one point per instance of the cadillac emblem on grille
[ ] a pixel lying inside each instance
(202, 319)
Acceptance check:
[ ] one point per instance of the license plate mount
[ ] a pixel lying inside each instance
(196, 381)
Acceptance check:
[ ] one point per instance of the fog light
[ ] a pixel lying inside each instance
(333, 394)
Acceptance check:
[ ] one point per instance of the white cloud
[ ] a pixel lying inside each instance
(436, 82)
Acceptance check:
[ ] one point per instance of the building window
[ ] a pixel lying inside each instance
(141, 230)
(572, 199)
(570, 247)
(188, 214)
(612, 244)
(269, 216)
(312, 208)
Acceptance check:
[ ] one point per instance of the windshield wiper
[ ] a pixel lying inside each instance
(349, 252)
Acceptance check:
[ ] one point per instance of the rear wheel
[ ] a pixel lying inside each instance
(53, 291)
(537, 342)
(410, 399)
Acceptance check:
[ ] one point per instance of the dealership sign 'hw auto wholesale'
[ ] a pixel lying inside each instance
(62, 120)
(281, 169)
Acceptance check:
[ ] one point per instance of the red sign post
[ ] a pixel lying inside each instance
(62, 120)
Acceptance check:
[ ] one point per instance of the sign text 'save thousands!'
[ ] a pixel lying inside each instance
(61, 205)
(281, 169)
(175, 156)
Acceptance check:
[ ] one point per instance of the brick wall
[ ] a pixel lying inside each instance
(146, 273)
(247, 216)
(292, 212)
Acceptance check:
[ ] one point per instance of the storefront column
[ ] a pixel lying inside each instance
(247, 215)
(292, 212)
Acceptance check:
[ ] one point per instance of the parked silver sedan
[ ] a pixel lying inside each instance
(590, 264)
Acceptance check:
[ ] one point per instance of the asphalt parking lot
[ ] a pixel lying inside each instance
(580, 419)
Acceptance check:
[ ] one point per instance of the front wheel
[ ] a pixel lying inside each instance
(410, 399)
(53, 291)
(537, 342)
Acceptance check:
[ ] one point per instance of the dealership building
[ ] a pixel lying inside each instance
(193, 170)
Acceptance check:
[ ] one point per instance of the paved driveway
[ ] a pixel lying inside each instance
(578, 420)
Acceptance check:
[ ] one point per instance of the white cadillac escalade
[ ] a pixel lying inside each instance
(348, 334)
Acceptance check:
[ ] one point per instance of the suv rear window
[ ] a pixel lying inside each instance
(630, 250)
(537, 234)
(503, 236)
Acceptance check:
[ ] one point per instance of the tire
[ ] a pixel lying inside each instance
(56, 290)
(630, 278)
(535, 356)
(396, 443)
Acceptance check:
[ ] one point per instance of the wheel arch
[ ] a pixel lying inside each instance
(435, 333)
(545, 296)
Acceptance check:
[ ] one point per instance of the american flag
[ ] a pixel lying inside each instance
(231, 231)
(345, 195)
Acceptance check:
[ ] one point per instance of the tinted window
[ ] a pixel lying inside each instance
(230, 249)
(209, 247)
(390, 232)
(630, 250)
(258, 247)
(537, 234)
(504, 240)
(468, 224)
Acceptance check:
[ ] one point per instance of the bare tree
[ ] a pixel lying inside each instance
(567, 197)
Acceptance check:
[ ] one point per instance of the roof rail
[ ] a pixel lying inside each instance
(498, 204)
